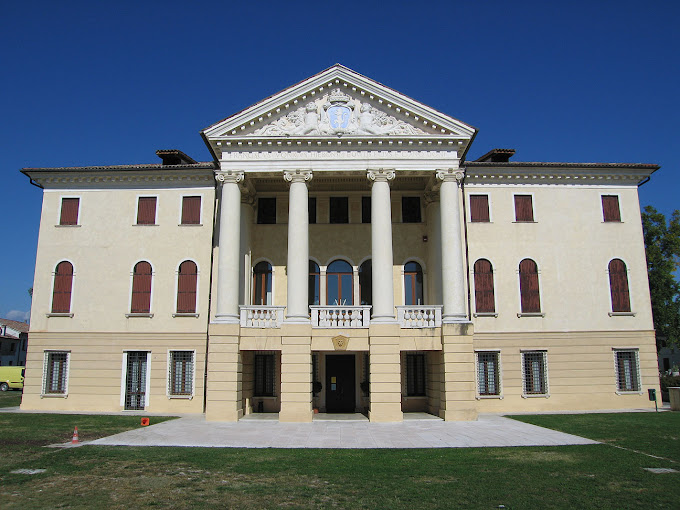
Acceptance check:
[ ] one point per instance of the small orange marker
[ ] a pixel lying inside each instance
(75, 437)
(145, 422)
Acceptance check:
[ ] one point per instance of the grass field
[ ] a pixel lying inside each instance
(595, 476)
(10, 398)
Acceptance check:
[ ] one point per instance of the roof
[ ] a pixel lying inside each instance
(150, 166)
(22, 327)
(553, 164)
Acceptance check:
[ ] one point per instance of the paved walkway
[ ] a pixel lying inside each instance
(489, 430)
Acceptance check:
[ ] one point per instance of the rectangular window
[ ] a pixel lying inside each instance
(264, 375)
(488, 374)
(524, 210)
(415, 374)
(410, 210)
(55, 372)
(311, 208)
(610, 208)
(69, 211)
(479, 208)
(339, 210)
(627, 370)
(146, 211)
(365, 209)
(181, 373)
(266, 210)
(534, 365)
(191, 210)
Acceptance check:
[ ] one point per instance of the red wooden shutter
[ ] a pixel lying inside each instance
(63, 281)
(186, 287)
(524, 210)
(484, 296)
(141, 288)
(618, 284)
(610, 208)
(69, 211)
(479, 208)
(528, 286)
(191, 210)
(146, 211)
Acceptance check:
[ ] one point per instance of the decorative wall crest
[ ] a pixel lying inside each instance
(340, 342)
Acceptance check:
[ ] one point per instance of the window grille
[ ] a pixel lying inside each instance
(135, 381)
(627, 370)
(264, 375)
(69, 211)
(191, 210)
(488, 376)
(181, 373)
(479, 208)
(535, 372)
(55, 373)
(415, 374)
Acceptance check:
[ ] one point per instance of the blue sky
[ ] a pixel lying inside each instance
(99, 83)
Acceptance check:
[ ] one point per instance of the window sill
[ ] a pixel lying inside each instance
(486, 397)
(145, 224)
(180, 397)
(619, 392)
(525, 221)
(622, 314)
(190, 225)
(531, 314)
(131, 315)
(185, 315)
(535, 395)
(480, 221)
(54, 395)
(67, 226)
(485, 314)
(69, 315)
(613, 221)
(265, 397)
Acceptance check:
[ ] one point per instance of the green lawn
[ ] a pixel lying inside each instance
(596, 476)
(10, 398)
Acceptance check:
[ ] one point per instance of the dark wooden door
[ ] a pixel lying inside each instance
(340, 383)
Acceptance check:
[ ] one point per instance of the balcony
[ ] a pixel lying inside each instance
(420, 316)
(261, 316)
(351, 317)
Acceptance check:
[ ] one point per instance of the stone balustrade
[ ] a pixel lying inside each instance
(341, 316)
(261, 316)
(419, 316)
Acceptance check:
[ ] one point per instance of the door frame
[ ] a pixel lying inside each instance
(355, 398)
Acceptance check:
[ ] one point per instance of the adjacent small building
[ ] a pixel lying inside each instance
(13, 343)
(339, 253)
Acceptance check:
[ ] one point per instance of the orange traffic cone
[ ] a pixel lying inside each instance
(75, 437)
(145, 422)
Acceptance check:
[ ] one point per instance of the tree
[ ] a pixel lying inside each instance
(662, 245)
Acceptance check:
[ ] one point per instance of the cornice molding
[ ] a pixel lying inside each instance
(69, 179)
(557, 175)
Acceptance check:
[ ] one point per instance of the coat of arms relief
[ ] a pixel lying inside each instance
(337, 113)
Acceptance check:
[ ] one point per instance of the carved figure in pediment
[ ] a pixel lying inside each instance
(374, 122)
(310, 122)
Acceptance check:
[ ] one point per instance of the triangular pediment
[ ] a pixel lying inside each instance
(338, 102)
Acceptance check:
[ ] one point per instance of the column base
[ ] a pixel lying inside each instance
(295, 412)
(295, 319)
(384, 320)
(385, 412)
(227, 319)
(468, 414)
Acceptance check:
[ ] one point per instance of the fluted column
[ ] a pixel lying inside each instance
(298, 247)
(453, 268)
(230, 247)
(381, 246)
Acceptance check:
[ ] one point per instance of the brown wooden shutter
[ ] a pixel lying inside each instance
(146, 211)
(528, 286)
(618, 284)
(63, 281)
(484, 294)
(479, 208)
(610, 208)
(141, 288)
(191, 210)
(186, 287)
(524, 210)
(69, 211)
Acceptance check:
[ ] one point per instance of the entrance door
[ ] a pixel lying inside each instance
(135, 381)
(340, 383)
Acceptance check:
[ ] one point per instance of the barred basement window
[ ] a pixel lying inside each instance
(264, 375)
(181, 373)
(415, 374)
(627, 371)
(534, 366)
(55, 373)
(488, 374)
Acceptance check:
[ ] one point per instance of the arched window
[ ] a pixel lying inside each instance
(413, 284)
(314, 280)
(262, 283)
(339, 284)
(141, 288)
(484, 297)
(187, 278)
(63, 282)
(618, 285)
(366, 282)
(528, 286)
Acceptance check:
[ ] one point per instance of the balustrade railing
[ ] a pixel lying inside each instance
(340, 316)
(261, 316)
(420, 316)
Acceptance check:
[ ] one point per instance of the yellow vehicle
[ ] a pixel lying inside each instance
(12, 378)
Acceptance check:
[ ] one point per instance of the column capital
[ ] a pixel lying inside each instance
(380, 175)
(298, 176)
(450, 174)
(229, 177)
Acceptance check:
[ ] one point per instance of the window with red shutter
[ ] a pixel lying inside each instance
(69, 211)
(479, 208)
(186, 287)
(141, 288)
(610, 208)
(528, 286)
(191, 210)
(524, 210)
(63, 282)
(484, 294)
(146, 211)
(618, 285)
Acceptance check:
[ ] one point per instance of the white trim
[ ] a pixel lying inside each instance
(78, 218)
(478, 396)
(129, 313)
(610, 194)
(181, 204)
(147, 382)
(51, 296)
(168, 393)
(469, 194)
(122, 380)
(46, 353)
(155, 219)
(198, 282)
(471, 280)
(545, 370)
(533, 206)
